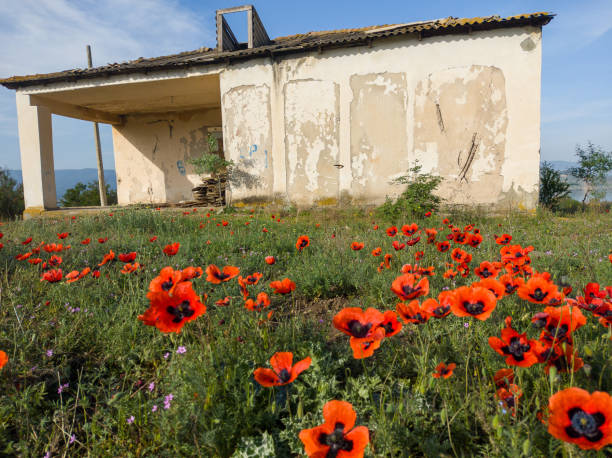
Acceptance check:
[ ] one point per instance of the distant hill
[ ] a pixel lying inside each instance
(68, 178)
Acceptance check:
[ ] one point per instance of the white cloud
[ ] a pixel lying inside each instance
(43, 36)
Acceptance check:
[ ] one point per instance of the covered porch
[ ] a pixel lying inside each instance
(158, 123)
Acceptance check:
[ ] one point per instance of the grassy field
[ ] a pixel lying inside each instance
(85, 376)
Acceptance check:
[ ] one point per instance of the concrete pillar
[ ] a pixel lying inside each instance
(36, 145)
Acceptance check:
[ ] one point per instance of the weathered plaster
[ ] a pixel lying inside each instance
(378, 133)
(248, 140)
(151, 154)
(311, 142)
(461, 118)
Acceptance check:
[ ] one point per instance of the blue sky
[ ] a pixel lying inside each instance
(40, 36)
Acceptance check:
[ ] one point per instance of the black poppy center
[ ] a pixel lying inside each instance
(510, 288)
(441, 310)
(251, 279)
(167, 285)
(558, 331)
(181, 311)
(221, 275)
(408, 290)
(485, 273)
(474, 308)
(538, 295)
(303, 243)
(284, 375)
(388, 327)
(358, 329)
(517, 348)
(585, 424)
(336, 441)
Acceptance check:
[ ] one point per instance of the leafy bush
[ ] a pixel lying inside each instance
(11, 196)
(87, 195)
(417, 199)
(593, 165)
(553, 187)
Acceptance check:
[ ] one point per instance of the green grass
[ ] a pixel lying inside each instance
(108, 358)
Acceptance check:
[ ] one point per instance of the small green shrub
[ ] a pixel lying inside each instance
(553, 187)
(11, 196)
(417, 199)
(87, 195)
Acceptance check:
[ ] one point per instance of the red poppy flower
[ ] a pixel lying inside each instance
(3, 359)
(283, 286)
(356, 246)
(488, 269)
(444, 371)
(503, 239)
(538, 290)
(390, 323)
(442, 307)
(391, 231)
(581, 418)
(504, 377)
(283, 371)
(270, 260)
(445, 221)
(476, 302)
(86, 241)
(450, 273)
(427, 214)
(563, 357)
(515, 254)
(377, 251)
(412, 312)
(153, 239)
(169, 312)
(518, 350)
(215, 276)
(460, 256)
(461, 237)
(413, 241)
(107, 258)
(410, 229)
(559, 322)
(166, 281)
(258, 304)
(302, 242)
(363, 327)
(443, 247)
(252, 279)
(23, 257)
(511, 283)
(27, 241)
(431, 235)
(172, 249)
(387, 260)
(407, 287)
(337, 436)
(496, 287)
(52, 276)
(72, 276)
(223, 302)
(474, 240)
(419, 255)
(102, 239)
(130, 268)
(509, 397)
(95, 273)
(34, 261)
(127, 257)
(191, 272)
(398, 246)
(62, 235)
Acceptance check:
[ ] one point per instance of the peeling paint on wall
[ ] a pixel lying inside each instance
(471, 148)
(311, 140)
(378, 133)
(248, 140)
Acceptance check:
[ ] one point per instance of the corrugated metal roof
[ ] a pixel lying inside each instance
(286, 45)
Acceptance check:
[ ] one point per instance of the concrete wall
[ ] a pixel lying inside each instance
(152, 150)
(347, 121)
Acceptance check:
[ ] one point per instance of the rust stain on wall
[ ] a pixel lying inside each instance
(460, 131)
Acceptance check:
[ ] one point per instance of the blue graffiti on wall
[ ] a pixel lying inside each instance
(181, 167)
(253, 149)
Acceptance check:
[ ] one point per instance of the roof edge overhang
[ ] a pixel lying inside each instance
(360, 37)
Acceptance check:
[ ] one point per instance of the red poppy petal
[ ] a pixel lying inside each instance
(339, 412)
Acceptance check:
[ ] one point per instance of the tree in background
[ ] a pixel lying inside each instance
(593, 165)
(11, 196)
(553, 187)
(87, 195)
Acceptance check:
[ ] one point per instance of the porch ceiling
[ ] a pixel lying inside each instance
(108, 103)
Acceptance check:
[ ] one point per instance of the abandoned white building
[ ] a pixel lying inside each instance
(311, 117)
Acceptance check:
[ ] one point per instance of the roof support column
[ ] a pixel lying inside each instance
(36, 145)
